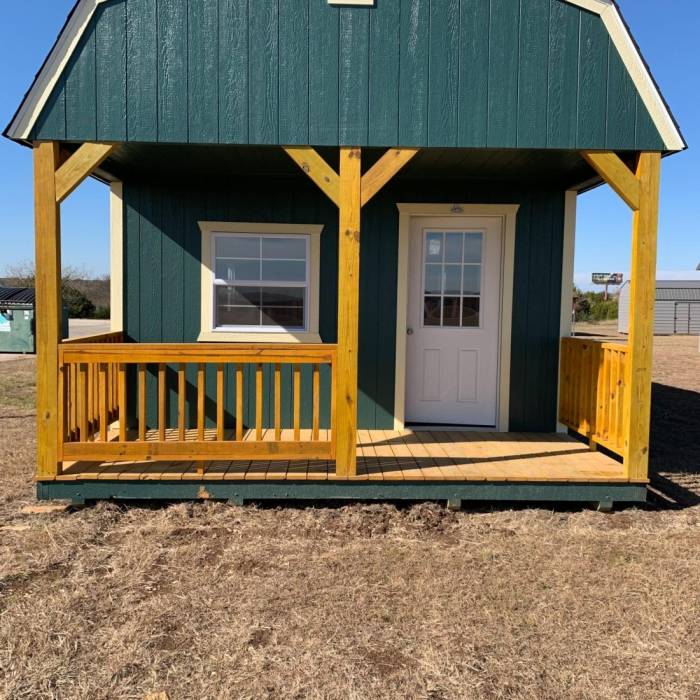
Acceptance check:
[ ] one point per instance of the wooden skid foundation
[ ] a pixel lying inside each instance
(249, 491)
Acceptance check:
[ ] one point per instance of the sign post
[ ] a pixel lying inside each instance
(607, 278)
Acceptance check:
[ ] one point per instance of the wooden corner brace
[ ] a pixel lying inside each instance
(79, 166)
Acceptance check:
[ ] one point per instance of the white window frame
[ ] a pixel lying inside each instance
(259, 334)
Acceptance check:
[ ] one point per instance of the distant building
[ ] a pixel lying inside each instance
(677, 308)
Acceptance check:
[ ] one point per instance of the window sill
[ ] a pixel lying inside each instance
(253, 337)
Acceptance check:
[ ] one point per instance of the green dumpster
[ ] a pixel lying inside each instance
(17, 327)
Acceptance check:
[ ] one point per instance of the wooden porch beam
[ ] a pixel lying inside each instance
(317, 169)
(79, 166)
(348, 310)
(48, 306)
(641, 324)
(383, 170)
(611, 168)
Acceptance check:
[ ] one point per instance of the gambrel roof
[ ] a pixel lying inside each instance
(462, 73)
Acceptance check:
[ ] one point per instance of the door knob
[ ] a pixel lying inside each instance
(409, 331)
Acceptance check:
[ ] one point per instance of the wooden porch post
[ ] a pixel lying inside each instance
(640, 190)
(350, 191)
(350, 199)
(641, 324)
(48, 305)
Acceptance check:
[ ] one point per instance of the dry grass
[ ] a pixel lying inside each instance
(212, 601)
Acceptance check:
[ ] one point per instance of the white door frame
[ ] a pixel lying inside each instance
(507, 213)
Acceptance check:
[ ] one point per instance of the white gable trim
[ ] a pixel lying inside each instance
(70, 36)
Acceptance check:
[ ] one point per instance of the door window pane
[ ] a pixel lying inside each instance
(453, 247)
(472, 247)
(470, 311)
(450, 311)
(431, 311)
(433, 247)
(433, 279)
(471, 279)
(453, 281)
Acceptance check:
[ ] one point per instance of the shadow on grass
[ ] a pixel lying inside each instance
(674, 456)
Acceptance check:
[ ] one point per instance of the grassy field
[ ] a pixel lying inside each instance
(213, 601)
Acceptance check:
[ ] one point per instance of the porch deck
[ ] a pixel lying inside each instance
(386, 455)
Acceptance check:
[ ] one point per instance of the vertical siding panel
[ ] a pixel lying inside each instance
(413, 85)
(647, 137)
(563, 75)
(203, 62)
(562, 115)
(141, 70)
(263, 55)
(51, 123)
(524, 240)
(294, 71)
(473, 66)
(172, 71)
(132, 262)
(110, 60)
(388, 234)
(384, 73)
(324, 28)
(622, 105)
(444, 73)
(354, 76)
(152, 276)
(233, 71)
(369, 303)
(503, 73)
(81, 99)
(532, 81)
(593, 82)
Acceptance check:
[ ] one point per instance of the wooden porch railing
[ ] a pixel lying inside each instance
(93, 420)
(593, 391)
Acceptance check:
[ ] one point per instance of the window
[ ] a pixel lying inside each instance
(260, 279)
(452, 278)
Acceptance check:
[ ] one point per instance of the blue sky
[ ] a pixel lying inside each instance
(666, 32)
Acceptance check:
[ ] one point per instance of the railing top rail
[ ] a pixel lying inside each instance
(172, 353)
(114, 336)
(620, 346)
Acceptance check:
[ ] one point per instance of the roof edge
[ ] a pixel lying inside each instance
(24, 119)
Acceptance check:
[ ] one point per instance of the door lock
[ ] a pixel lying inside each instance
(409, 331)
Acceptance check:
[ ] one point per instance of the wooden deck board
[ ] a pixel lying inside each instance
(387, 455)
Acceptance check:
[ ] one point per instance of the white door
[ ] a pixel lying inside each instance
(453, 321)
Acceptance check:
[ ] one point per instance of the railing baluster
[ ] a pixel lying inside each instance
(278, 402)
(201, 380)
(220, 402)
(181, 401)
(297, 402)
(83, 394)
(103, 401)
(239, 402)
(316, 403)
(142, 401)
(122, 402)
(161, 403)
(258, 401)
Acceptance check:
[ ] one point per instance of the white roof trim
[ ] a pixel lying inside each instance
(36, 98)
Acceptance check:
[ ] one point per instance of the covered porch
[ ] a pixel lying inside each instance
(116, 411)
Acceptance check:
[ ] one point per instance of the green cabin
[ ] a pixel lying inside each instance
(342, 241)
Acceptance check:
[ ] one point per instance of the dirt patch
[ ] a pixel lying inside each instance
(366, 601)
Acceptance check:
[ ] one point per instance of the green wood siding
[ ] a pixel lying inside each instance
(162, 280)
(468, 73)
